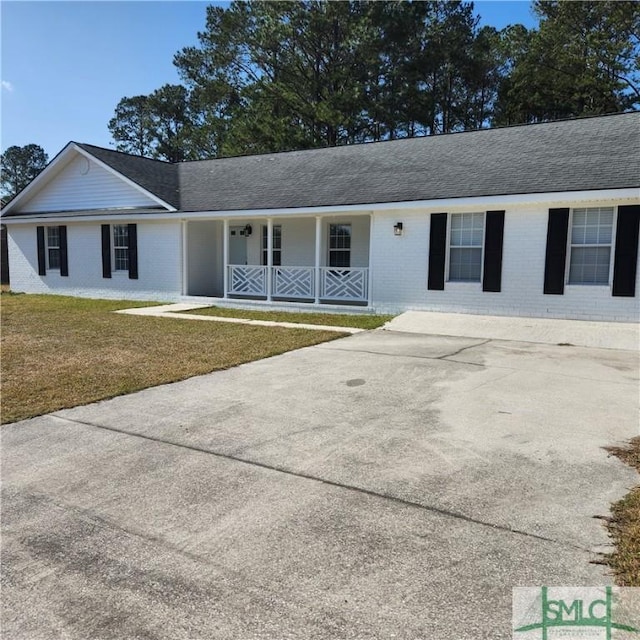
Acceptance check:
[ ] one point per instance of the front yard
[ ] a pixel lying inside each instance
(358, 321)
(59, 352)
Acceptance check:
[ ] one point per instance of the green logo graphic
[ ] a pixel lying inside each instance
(588, 610)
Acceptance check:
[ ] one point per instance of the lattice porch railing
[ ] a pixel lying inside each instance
(344, 284)
(293, 282)
(336, 283)
(248, 280)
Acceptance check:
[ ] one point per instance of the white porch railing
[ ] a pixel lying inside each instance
(247, 280)
(344, 284)
(293, 282)
(336, 283)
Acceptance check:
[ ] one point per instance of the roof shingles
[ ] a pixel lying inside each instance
(571, 155)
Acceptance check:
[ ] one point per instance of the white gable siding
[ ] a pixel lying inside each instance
(400, 270)
(159, 264)
(83, 184)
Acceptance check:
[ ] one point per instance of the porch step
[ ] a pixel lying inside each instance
(264, 305)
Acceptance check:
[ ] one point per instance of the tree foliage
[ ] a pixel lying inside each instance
(582, 60)
(280, 75)
(157, 126)
(19, 166)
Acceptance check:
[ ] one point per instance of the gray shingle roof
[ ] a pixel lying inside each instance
(572, 155)
(160, 178)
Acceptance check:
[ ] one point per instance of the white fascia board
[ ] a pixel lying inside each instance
(124, 178)
(484, 202)
(479, 203)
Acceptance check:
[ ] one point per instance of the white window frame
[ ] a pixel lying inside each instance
(614, 229)
(114, 247)
(274, 249)
(49, 246)
(330, 250)
(447, 265)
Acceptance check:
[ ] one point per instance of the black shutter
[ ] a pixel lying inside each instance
(133, 251)
(106, 251)
(437, 250)
(64, 260)
(42, 256)
(493, 236)
(556, 257)
(625, 262)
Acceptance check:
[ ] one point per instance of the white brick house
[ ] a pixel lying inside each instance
(535, 220)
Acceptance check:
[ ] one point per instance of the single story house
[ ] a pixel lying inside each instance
(531, 220)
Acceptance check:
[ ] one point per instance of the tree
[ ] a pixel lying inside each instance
(159, 125)
(281, 75)
(311, 73)
(19, 166)
(583, 60)
(294, 68)
(131, 126)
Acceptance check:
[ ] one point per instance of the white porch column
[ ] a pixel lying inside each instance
(269, 258)
(317, 258)
(369, 272)
(185, 260)
(225, 257)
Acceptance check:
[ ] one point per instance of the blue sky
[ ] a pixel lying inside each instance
(65, 65)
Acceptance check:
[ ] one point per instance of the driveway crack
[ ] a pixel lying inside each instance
(332, 483)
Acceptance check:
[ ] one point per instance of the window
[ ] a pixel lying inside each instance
(465, 247)
(339, 245)
(276, 248)
(53, 247)
(120, 247)
(591, 235)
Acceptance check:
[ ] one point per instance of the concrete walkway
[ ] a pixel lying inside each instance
(175, 311)
(579, 333)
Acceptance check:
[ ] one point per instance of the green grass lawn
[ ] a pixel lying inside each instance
(624, 525)
(60, 352)
(358, 321)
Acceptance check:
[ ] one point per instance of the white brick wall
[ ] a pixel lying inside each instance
(159, 264)
(400, 268)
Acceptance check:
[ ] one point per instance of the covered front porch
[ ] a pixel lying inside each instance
(309, 260)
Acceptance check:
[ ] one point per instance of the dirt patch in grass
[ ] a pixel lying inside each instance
(624, 524)
(358, 321)
(59, 352)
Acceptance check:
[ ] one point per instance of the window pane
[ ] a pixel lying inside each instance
(121, 235)
(465, 265)
(121, 259)
(340, 236)
(467, 229)
(340, 259)
(339, 245)
(53, 236)
(277, 245)
(589, 265)
(54, 258)
(592, 226)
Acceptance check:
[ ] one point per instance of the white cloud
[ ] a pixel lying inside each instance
(6, 85)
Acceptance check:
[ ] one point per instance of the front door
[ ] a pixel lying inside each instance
(237, 245)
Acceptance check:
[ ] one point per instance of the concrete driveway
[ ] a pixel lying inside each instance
(385, 485)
